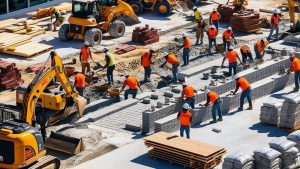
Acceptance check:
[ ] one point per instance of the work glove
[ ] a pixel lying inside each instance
(161, 66)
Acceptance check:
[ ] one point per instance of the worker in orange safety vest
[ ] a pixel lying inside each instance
(227, 35)
(174, 61)
(79, 82)
(146, 62)
(232, 57)
(214, 98)
(275, 19)
(133, 85)
(189, 93)
(243, 83)
(185, 119)
(215, 18)
(246, 53)
(84, 56)
(186, 49)
(295, 67)
(212, 35)
(259, 48)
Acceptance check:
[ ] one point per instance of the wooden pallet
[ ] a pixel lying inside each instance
(35, 49)
(124, 49)
(297, 127)
(8, 22)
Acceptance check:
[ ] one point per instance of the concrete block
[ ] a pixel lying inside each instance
(146, 101)
(176, 90)
(154, 96)
(168, 94)
(159, 105)
(134, 128)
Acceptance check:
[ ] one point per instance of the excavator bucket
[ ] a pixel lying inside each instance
(63, 143)
(81, 103)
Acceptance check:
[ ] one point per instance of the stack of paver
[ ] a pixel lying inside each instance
(246, 21)
(145, 35)
(290, 112)
(238, 161)
(270, 111)
(295, 137)
(34, 68)
(226, 11)
(289, 153)
(267, 158)
(10, 76)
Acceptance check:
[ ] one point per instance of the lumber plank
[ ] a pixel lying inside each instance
(35, 49)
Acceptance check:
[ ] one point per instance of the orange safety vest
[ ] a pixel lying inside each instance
(227, 34)
(172, 59)
(185, 118)
(85, 53)
(259, 46)
(189, 91)
(187, 43)
(244, 84)
(213, 96)
(232, 56)
(212, 33)
(295, 65)
(146, 59)
(244, 48)
(80, 80)
(214, 16)
(131, 82)
(275, 19)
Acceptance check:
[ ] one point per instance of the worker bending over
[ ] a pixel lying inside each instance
(133, 85)
(109, 66)
(227, 35)
(246, 53)
(259, 48)
(146, 62)
(59, 19)
(79, 82)
(186, 50)
(214, 98)
(200, 31)
(274, 24)
(212, 35)
(232, 57)
(27, 26)
(84, 56)
(243, 83)
(185, 118)
(215, 18)
(197, 14)
(174, 61)
(295, 67)
(189, 93)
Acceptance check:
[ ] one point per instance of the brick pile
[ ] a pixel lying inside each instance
(10, 76)
(34, 68)
(145, 35)
(246, 21)
(226, 11)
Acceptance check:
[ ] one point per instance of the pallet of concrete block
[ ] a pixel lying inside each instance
(10, 76)
(246, 21)
(12, 40)
(35, 49)
(290, 112)
(270, 111)
(238, 161)
(182, 151)
(267, 158)
(226, 11)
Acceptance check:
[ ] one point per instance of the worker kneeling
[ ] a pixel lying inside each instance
(133, 85)
(214, 98)
(295, 67)
(174, 61)
(185, 118)
(189, 93)
(243, 83)
(232, 57)
(79, 82)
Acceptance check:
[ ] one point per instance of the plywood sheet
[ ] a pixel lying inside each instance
(35, 49)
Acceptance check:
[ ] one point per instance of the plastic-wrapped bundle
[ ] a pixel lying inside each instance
(270, 111)
(295, 137)
(267, 158)
(238, 161)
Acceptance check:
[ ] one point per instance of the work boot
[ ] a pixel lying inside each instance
(295, 90)
(240, 109)
(213, 122)
(220, 119)
(250, 108)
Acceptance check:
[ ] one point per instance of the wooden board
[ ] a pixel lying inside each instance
(35, 49)
(36, 30)
(8, 22)
(11, 39)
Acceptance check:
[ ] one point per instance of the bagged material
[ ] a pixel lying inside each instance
(281, 144)
(238, 161)
(267, 158)
(290, 112)
(295, 137)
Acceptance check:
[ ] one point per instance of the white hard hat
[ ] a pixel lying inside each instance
(184, 35)
(213, 26)
(231, 47)
(229, 28)
(236, 76)
(275, 11)
(76, 70)
(292, 54)
(151, 50)
(206, 91)
(264, 39)
(126, 74)
(86, 43)
(214, 9)
(194, 7)
(165, 54)
(184, 84)
(186, 106)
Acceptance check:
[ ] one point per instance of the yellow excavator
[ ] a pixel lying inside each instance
(91, 18)
(22, 145)
(295, 26)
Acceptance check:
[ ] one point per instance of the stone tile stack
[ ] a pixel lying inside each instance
(246, 21)
(267, 158)
(10, 76)
(290, 112)
(145, 35)
(238, 161)
(295, 137)
(226, 11)
(270, 111)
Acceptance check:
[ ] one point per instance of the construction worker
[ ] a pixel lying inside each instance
(214, 98)
(212, 34)
(295, 67)
(84, 56)
(27, 27)
(174, 61)
(200, 31)
(186, 49)
(274, 24)
(189, 93)
(243, 83)
(133, 85)
(259, 48)
(246, 53)
(146, 62)
(197, 14)
(185, 118)
(227, 35)
(232, 57)
(79, 82)
(110, 65)
(59, 19)
(215, 18)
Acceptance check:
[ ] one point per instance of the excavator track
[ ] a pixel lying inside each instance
(46, 162)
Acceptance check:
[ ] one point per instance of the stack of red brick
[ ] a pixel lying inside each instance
(10, 76)
(248, 21)
(145, 35)
(226, 11)
(34, 68)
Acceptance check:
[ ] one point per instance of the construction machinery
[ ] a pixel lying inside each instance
(295, 25)
(24, 144)
(91, 18)
(160, 7)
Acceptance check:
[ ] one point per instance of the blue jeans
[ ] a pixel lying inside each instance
(297, 76)
(258, 55)
(185, 56)
(216, 23)
(232, 67)
(226, 45)
(211, 41)
(175, 73)
(276, 28)
(133, 92)
(147, 72)
(187, 131)
(80, 90)
(110, 76)
(247, 93)
(245, 56)
(217, 108)
(191, 102)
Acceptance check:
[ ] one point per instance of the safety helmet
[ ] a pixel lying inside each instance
(184, 84)
(230, 47)
(186, 106)
(165, 54)
(184, 35)
(86, 43)
(229, 28)
(236, 76)
(214, 9)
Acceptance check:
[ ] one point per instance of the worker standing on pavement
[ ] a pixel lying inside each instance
(232, 57)
(200, 31)
(146, 62)
(84, 56)
(110, 66)
(174, 61)
(227, 35)
(259, 48)
(295, 67)
(79, 82)
(243, 83)
(189, 93)
(215, 18)
(274, 24)
(197, 14)
(212, 35)
(59, 19)
(133, 85)
(246, 53)
(185, 118)
(214, 98)
(186, 50)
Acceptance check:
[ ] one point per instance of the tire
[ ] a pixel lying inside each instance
(136, 6)
(116, 29)
(93, 36)
(63, 32)
(163, 8)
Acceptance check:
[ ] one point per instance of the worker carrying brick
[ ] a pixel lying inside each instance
(146, 62)
(212, 35)
(186, 49)
(214, 98)
(275, 19)
(189, 93)
(246, 53)
(79, 82)
(227, 35)
(197, 14)
(295, 67)
(232, 57)
(185, 119)
(174, 61)
(215, 18)
(259, 48)
(243, 83)
(200, 31)
(109, 66)
(133, 85)
(84, 56)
